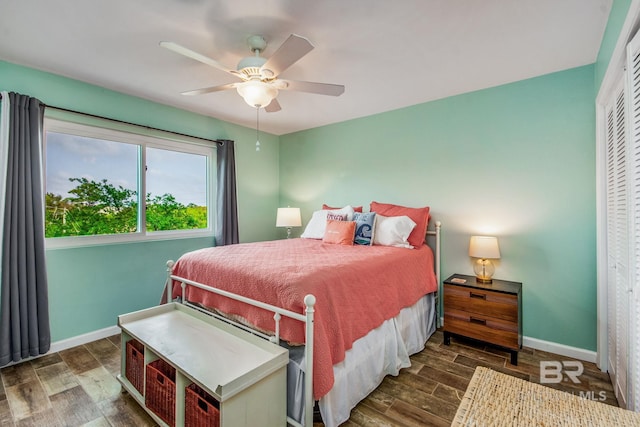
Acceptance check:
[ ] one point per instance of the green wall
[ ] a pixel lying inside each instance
(515, 161)
(90, 286)
(617, 16)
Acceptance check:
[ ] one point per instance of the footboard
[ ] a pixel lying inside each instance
(436, 249)
(278, 312)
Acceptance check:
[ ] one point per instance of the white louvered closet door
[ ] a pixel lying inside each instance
(611, 232)
(633, 85)
(617, 242)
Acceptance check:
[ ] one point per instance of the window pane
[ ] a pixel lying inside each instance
(90, 186)
(176, 190)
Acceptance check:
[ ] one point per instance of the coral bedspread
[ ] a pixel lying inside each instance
(356, 288)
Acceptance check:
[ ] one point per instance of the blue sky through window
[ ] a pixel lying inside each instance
(182, 174)
(69, 156)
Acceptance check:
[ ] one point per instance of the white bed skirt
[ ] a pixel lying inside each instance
(383, 351)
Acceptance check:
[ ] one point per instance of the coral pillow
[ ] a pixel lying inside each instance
(419, 215)
(339, 232)
(355, 208)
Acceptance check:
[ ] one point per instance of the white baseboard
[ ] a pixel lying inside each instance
(561, 349)
(74, 342)
(84, 339)
(535, 343)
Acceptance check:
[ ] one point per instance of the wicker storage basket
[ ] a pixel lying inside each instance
(134, 364)
(200, 408)
(160, 393)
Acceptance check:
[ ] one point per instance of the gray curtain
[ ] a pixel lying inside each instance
(227, 202)
(24, 304)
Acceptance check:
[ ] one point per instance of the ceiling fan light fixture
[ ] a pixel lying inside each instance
(256, 93)
(251, 62)
(259, 83)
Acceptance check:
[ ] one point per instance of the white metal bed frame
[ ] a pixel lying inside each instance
(306, 318)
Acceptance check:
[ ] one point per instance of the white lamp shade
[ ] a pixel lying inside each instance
(256, 93)
(484, 247)
(288, 217)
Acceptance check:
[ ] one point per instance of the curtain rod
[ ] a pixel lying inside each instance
(217, 141)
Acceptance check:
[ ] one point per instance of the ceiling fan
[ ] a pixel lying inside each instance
(258, 81)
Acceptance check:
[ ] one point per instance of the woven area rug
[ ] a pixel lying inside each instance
(495, 399)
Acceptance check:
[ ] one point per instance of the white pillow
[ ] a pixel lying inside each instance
(346, 210)
(318, 222)
(393, 231)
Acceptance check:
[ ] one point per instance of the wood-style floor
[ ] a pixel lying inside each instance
(77, 387)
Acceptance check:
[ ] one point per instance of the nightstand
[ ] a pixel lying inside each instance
(489, 312)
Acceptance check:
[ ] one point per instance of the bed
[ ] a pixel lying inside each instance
(364, 309)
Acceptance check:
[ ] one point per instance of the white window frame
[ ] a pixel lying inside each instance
(93, 127)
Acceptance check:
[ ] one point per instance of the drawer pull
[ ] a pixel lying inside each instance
(477, 321)
(479, 296)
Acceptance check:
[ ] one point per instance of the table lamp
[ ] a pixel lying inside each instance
(288, 217)
(485, 248)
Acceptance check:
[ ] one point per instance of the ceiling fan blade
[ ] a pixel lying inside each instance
(293, 48)
(197, 56)
(312, 87)
(273, 106)
(210, 89)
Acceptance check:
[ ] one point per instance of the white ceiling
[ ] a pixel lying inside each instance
(388, 54)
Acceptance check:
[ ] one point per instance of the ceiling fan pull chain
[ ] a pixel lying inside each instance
(257, 128)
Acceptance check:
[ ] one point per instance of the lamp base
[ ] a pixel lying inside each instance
(484, 270)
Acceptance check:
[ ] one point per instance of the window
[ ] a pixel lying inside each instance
(176, 190)
(96, 176)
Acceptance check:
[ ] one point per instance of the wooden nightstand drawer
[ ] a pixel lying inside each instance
(484, 328)
(489, 312)
(495, 304)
